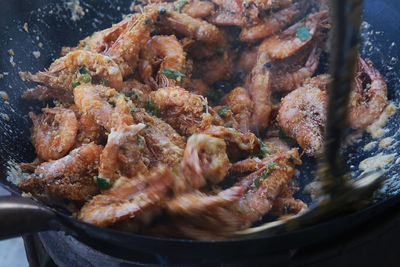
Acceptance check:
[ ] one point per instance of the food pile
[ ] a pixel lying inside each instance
(182, 119)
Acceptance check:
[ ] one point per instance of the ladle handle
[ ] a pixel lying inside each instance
(346, 20)
(20, 216)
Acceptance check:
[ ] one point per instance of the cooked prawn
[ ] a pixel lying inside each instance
(95, 100)
(168, 51)
(70, 177)
(62, 72)
(302, 116)
(125, 50)
(289, 42)
(275, 22)
(101, 41)
(185, 112)
(366, 105)
(259, 86)
(239, 102)
(196, 28)
(88, 131)
(285, 79)
(53, 132)
(110, 168)
(128, 198)
(205, 159)
(238, 144)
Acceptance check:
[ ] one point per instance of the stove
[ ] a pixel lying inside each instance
(373, 244)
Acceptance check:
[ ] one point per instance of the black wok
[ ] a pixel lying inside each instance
(49, 22)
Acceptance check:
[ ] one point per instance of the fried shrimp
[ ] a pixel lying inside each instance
(259, 86)
(205, 158)
(79, 67)
(366, 105)
(118, 141)
(198, 29)
(167, 53)
(185, 112)
(99, 102)
(302, 116)
(70, 177)
(239, 102)
(125, 50)
(53, 132)
(128, 197)
(290, 41)
(275, 22)
(101, 41)
(287, 78)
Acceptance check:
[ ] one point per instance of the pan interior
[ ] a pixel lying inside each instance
(45, 26)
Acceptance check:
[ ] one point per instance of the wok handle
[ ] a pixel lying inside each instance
(20, 216)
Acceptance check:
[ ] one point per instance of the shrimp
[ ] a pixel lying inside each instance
(192, 8)
(290, 41)
(247, 59)
(288, 80)
(275, 22)
(41, 93)
(366, 105)
(239, 102)
(185, 112)
(88, 131)
(225, 18)
(129, 197)
(286, 204)
(125, 50)
(259, 87)
(193, 203)
(302, 116)
(219, 67)
(191, 27)
(275, 147)
(238, 144)
(70, 177)
(168, 51)
(136, 91)
(79, 67)
(263, 187)
(95, 100)
(163, 142)
(117, 143)
(101, 41)
(53, 132)
(205, 159)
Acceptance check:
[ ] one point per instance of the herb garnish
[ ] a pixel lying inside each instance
(173, 74)
(264, 149)
(151, 107)
(102, 183)
(178, 5)
(105, 82)
(282, 133)
(81, 77)
(223, 110)
(302, 33)
(220, 51)
(265, 173)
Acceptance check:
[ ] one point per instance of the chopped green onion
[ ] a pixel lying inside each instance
(282, 133)
(223, 110)
(102, 183)
(220, 51)
(81, 77)
(135, 110)
(105, 82)
(265, 173)
(264, 150)
(178, 5)
(173, 74)
(151, 107)
(302, 33)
